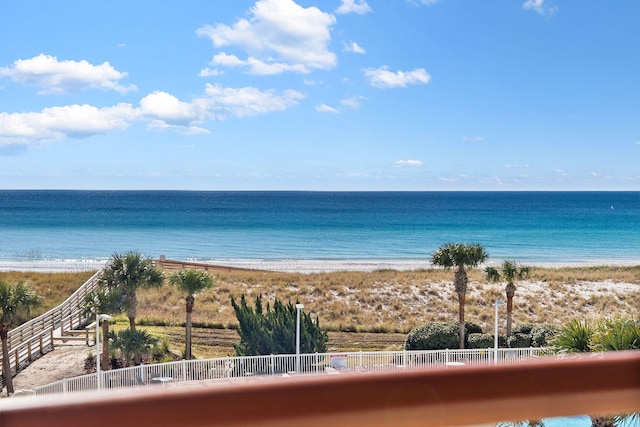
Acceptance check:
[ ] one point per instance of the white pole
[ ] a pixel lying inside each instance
(298, 308)
(98, 349)
(495, 334)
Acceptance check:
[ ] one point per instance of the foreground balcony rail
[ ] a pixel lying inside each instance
(606, 383)
(233, 368)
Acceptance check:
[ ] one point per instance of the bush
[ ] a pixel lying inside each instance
(616, 335)
(541, 335)
(472, 328)
(272, 330)
(480, 341)
(519, 340)
(523, 329)
(433, 336)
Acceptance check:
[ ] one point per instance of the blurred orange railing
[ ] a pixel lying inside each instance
(607, 383)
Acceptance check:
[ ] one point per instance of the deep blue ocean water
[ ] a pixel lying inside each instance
(542, 227)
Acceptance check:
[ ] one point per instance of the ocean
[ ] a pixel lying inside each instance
(528, 227)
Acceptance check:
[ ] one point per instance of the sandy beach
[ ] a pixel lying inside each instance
(288, 265)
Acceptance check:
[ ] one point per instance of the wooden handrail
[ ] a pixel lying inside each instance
(548, 387)
(168, 264)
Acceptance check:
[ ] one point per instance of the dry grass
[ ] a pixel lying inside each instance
(382, 301)
(54, 288)
(397, 301)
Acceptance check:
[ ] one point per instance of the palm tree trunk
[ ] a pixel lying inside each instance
(104, 357)
(6, 362)
(189, 309)
(188, 337)
(509, 312)
(461, 301)
(132, 309)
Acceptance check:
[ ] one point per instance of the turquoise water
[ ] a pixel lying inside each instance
(543, 227)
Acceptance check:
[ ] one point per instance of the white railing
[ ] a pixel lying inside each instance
(37, 334)
(286, 364)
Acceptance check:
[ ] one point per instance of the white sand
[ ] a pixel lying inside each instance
(286, 265)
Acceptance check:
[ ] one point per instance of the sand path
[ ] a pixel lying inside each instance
(66, 361)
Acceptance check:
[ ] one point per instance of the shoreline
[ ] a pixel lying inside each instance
(305, 266)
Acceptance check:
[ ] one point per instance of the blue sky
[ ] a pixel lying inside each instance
(320, 95)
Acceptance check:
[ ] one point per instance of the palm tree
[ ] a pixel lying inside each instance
(460, 256)
(133, 345)
(102, 301)
(126, 274)
(581, 336)
(191, 282)
(16, 302)
(509, 271)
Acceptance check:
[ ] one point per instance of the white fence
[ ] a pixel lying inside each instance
(241, 367)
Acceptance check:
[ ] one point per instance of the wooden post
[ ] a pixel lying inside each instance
(29, 350)
(41, 346)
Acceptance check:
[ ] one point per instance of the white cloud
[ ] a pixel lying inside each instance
(353, 47)
(539, 7)
(161, 126)
(324, 108)
(67, 121)
(58, 77)
(222, 102)
(351, 6)
(168, 108)
(383, 78)
(516, 166)
(637, 142)
(210, 72)
(227, 60)
(408, 163)
(473, 138)
(280, 36)
(159, 110)
(353, 102)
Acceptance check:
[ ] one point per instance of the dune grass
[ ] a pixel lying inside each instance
(397, 301)
(386, 301)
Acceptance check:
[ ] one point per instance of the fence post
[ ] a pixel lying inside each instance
(41, 349)
(51, 333)
(446, 357)
(184, 370)
(404, 358)
(360, 359)
(29, 350)
(273, 367)
(64, 386)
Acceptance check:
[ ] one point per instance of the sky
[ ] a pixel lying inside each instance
(338, 95)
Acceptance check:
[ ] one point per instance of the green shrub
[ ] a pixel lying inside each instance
(272, 330)
(574, 337)
(616, 335)
(523, 329)
(472, 328)
(541, 335)
(480, 341)
(519, 340)
(433, 336)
